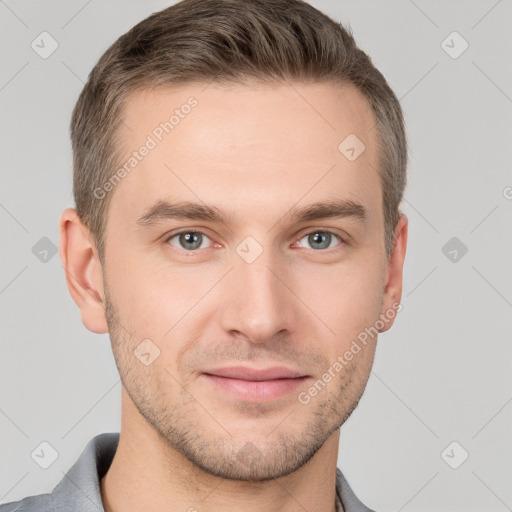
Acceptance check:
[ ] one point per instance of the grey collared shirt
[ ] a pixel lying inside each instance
(79, 490)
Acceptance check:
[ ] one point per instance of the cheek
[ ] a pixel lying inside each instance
(165, 304)
(348, 300)
(171, 304)
(148, 301)
(346, 293)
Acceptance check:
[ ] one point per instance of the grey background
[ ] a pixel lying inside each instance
(442, 374)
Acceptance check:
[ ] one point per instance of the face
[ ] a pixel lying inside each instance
(230, 318)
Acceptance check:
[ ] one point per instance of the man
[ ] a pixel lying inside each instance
(238, 170)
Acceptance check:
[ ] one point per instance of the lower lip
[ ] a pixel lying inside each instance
(256, 390)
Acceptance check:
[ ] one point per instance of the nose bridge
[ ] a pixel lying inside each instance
(257, 302)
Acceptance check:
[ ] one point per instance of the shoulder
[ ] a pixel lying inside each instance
(39, 503)
(69, 495)
(351, 503)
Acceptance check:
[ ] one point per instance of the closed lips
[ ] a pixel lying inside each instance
(254, 374)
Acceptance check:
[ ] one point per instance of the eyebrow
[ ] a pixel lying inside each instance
(187, 210)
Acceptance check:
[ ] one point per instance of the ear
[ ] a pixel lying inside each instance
(394, 272)
(83, 271)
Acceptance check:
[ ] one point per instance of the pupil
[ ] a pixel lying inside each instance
(318, 236)
(190, 238)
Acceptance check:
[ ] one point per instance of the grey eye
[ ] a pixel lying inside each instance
(320, 239)
(189, 240)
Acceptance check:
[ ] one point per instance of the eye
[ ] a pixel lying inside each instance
(194, 240)
(321, 239)
(188, 240)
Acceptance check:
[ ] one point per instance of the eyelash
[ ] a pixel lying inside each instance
(342, 242)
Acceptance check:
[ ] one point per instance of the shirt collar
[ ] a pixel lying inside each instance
(79, 490)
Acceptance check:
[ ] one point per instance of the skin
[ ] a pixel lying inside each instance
(256, 151)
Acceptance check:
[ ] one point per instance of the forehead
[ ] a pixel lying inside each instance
(244, 147)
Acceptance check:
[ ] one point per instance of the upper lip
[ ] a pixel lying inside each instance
(255, 374)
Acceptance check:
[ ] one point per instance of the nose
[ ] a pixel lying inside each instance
(257, 300)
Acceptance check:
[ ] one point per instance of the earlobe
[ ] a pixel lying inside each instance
(394, 273)
(83, 270)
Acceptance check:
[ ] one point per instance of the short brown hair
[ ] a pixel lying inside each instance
(226, 41)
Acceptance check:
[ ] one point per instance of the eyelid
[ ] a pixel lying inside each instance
(343, 238)
(172, 234)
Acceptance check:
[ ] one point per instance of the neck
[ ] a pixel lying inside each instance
(147, 474)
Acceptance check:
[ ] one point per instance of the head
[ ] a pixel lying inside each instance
(238, 171)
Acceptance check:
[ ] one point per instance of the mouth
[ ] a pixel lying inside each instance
(255, 385)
